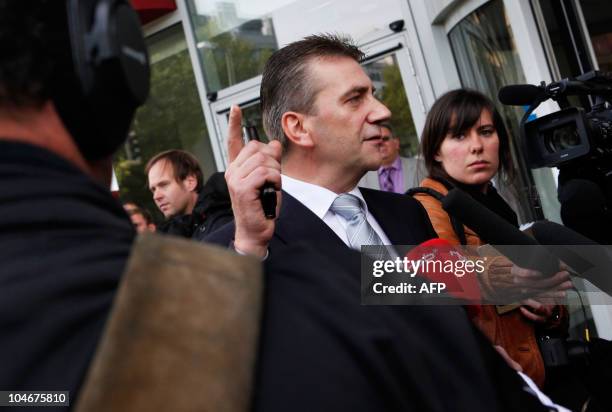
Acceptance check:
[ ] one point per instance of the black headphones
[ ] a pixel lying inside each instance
(110, 74)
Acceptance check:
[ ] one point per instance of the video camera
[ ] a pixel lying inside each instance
(571, 135)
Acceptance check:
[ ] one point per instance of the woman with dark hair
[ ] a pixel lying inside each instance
(465, 144)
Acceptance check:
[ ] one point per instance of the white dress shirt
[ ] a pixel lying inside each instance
(319, 199)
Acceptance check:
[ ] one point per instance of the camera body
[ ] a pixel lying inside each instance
(570, 135)
(557, 139)
(576, 140)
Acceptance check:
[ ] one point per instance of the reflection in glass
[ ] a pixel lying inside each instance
(232, 47)
(251, 116)
(560, 38)
(172, 118)
(484, 50)
(487, 59)
(390, 90)
(597, 16)
(569, 51)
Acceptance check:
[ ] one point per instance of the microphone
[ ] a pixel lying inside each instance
(520, 94)
(496, 231)
(445, 263)
(589, 259)
(439, 275)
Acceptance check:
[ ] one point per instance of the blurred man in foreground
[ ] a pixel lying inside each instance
(64, 240)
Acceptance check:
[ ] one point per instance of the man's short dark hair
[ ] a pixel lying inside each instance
(286, 84)
(35, 51)
(183, 164)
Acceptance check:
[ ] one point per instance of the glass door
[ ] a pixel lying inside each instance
(384, 70)
(487, 59)
(248, 101)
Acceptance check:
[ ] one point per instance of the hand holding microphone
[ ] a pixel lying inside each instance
(536, 270)
(589, 259)
(537, 311)
(504, 283)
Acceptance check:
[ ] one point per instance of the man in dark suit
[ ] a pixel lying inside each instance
(320, 348)
(318, 104)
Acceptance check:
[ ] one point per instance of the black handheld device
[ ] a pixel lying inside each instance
(267, 193)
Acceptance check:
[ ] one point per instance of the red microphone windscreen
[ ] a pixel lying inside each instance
(437, 260)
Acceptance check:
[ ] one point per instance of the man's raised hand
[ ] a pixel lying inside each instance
(250, 167)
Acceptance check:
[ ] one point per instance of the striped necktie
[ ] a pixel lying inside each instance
(359, 232)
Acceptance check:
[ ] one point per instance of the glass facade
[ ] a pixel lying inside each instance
(235, 38)
(251, 116)
(487, 59)
(560, 35)
(172, 118)
(571, 43)
(390, 90)
(233, 44)
(598, 18)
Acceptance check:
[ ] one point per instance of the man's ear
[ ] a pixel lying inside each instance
(191, 183)
(295, 130)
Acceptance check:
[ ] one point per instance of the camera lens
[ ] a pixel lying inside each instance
(561, 138)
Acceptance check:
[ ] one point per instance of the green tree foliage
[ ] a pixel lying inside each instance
(232, 56)
(394, 97)
(237, 59)
(171, 119)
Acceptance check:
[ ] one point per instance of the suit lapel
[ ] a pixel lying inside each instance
(394, 213)
(296, 223)
(390, 215)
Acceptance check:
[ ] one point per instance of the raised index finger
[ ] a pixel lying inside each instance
(234, 133)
